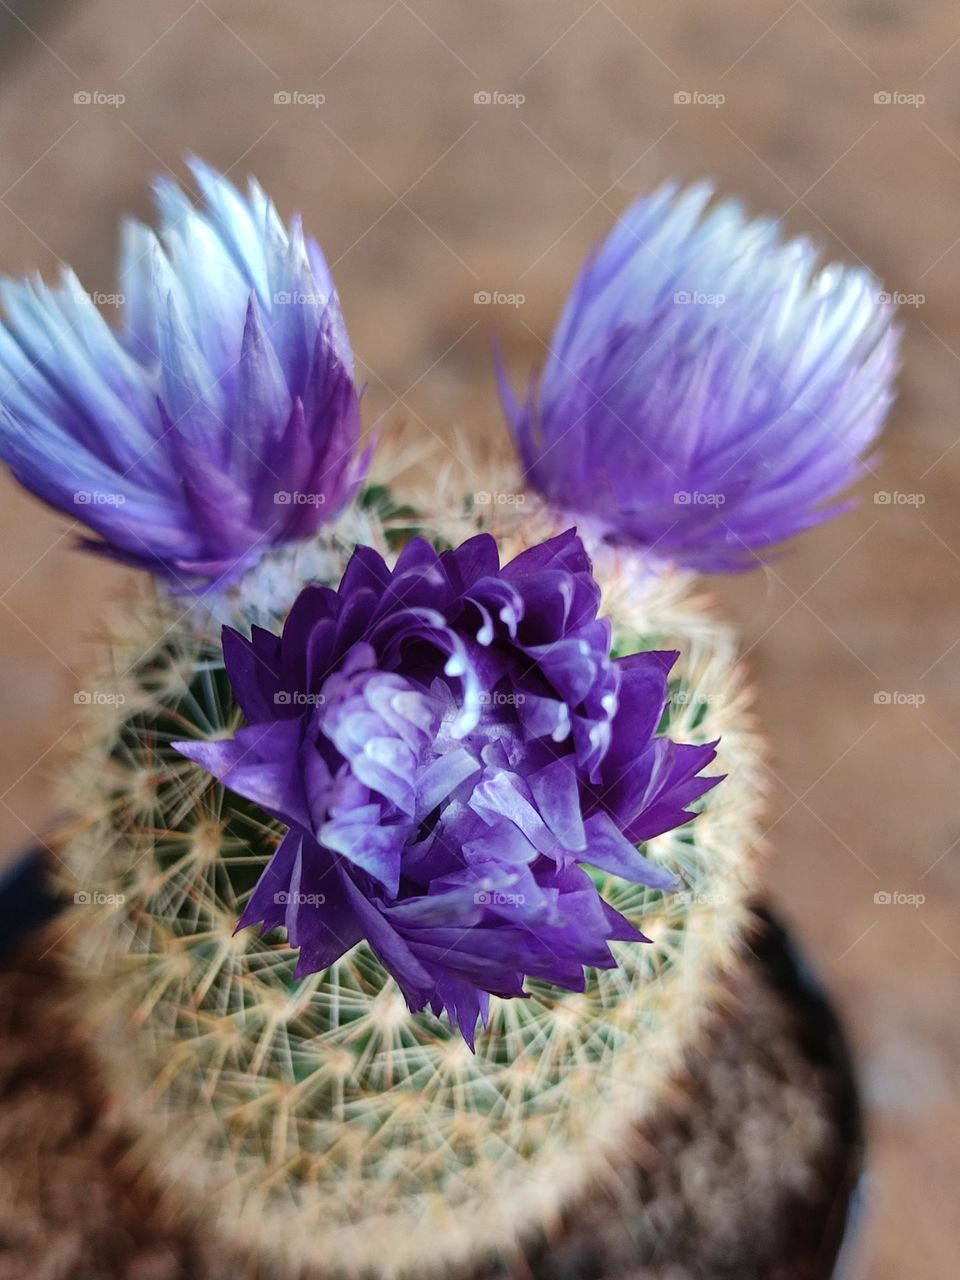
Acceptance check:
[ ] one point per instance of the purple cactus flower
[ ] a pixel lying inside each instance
(709, 392)
(450, 743)
(218, 420)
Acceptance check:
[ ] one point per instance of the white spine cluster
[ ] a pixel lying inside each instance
(317, 1121)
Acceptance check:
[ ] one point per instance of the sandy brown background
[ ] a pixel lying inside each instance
(421, 198)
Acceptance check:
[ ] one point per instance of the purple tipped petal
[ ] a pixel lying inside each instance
(268, 902)
(610, 850)
(556, 790)
(710, 390)
(220, 420)
(260, 763)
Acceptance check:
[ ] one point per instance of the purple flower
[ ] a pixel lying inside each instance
(220, 419)
(708, 391)
(449, 742)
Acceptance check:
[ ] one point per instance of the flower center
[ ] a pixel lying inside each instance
(395, 786)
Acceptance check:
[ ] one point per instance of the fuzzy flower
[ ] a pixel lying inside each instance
(709, 392)
(449, 742)
(218, 420)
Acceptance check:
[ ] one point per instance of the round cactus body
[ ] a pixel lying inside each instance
(470, 722)
(316, 1120)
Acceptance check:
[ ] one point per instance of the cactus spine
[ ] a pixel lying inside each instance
(317, 1122)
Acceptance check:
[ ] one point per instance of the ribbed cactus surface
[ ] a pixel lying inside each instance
(317, 1121)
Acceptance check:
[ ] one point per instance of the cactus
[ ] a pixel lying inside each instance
(317, 1120)
(286, 1085)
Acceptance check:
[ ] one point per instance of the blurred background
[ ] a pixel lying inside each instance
(445, 150)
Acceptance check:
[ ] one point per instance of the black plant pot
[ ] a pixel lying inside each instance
(26, 900)
(26, 903)
(790, 973)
